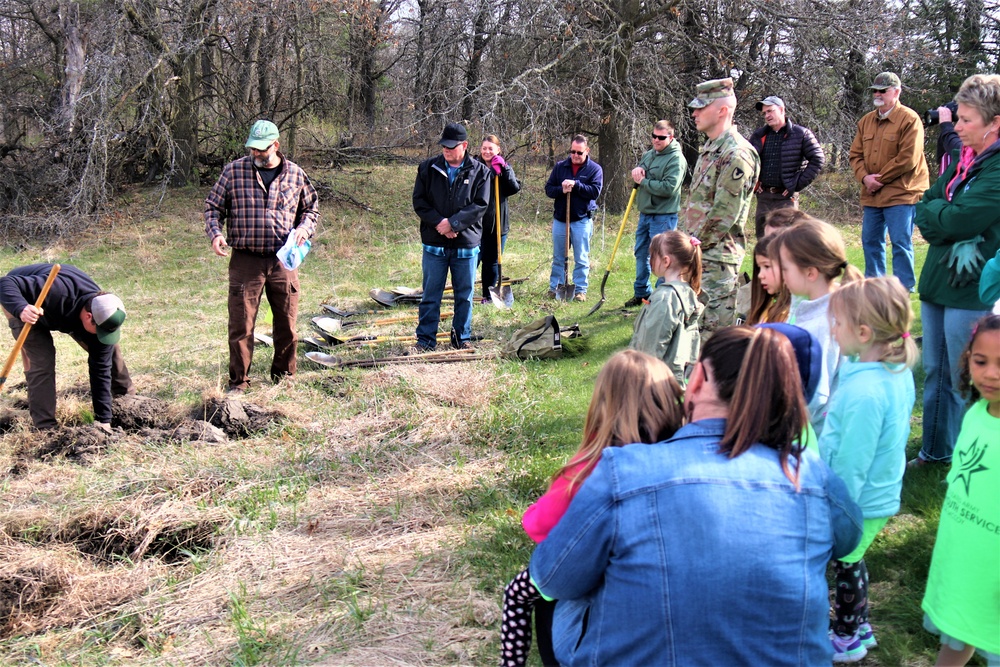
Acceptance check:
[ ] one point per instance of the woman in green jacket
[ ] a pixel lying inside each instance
(959, 216)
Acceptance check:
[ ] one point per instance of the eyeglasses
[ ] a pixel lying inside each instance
(577, 152)
(665, 137)
(262, 150)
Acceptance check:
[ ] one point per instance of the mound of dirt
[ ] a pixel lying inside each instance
(76, 443)
(134, 413)
(188, 429)
(25, 593)
(236, 418)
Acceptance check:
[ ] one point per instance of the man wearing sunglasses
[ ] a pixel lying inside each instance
(721, 187)
(261, 198)
(659, 177)
(582, 179)
(790, 159)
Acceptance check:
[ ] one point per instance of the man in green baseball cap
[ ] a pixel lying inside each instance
(75, 305)
(276, 202)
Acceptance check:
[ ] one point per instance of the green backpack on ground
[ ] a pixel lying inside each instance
(539, 340)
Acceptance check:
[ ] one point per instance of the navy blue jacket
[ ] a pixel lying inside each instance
(71, 291)
(589, 181)
(801, 155)
(462, 202)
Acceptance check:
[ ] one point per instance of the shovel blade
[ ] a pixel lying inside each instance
(324, 359)
(502, 297)
(564, 292)
(382, 297)
(597, 306)
(327, 324)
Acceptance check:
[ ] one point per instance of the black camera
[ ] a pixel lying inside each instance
(931, 115)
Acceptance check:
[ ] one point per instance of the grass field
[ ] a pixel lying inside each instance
(375, 516)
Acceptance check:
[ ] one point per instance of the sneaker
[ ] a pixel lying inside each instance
(551, 294)
(485, 301)
(418, 349)
(866, 636)
(635, 301)
(466, 345)
(847, 649)
(579, 296)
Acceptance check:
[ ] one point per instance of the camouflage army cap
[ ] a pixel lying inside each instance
(886, 80)
(709, 91)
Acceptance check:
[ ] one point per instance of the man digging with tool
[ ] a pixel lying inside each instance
(449, 196)
(75, 305)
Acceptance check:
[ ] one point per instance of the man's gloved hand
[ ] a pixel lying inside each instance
(965, 262)
(498, 163)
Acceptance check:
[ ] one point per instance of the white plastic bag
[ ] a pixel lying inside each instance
(291, 254)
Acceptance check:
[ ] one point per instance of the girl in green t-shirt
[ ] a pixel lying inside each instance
(962, 600)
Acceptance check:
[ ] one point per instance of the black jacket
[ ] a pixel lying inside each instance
(462, 202)
(70, 292)
(801, 155)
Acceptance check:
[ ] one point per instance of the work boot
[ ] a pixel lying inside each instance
(579, 296)
(635, 301)
(551, 294)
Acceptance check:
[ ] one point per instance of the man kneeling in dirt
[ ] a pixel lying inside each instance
(75, 305)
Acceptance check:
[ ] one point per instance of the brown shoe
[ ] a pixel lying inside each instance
(580, 296)
(551, 294)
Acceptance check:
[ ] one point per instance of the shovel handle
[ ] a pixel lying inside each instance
(621, 228)
(496, 202)
(27, 327)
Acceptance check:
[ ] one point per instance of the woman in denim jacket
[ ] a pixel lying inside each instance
(710, 548)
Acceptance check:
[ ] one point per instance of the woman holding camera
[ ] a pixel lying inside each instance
(959, 216)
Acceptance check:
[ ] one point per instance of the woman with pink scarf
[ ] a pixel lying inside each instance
(959, 216)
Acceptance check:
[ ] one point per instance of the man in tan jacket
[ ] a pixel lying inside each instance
(887, 157)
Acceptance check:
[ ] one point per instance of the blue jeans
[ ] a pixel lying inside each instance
(899, 220)
(580, 232)
(946, 332)
(649, 226)
(436, 264)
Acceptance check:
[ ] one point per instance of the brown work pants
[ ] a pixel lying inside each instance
(250, 275)
(38, 355)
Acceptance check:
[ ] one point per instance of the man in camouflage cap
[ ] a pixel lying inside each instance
(721, 189)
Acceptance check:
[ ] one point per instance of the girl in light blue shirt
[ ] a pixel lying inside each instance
(864, 437)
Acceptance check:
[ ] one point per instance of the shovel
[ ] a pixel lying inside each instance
(564, 290)
(501, 295)
(332, 361)
(27, 327)
(611, 262)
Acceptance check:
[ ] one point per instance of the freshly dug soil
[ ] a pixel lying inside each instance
(189, 429)
(134, 413)
(236, 418)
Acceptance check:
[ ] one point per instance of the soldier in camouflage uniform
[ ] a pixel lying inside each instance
(721, 190)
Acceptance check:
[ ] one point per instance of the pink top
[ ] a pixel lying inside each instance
(544, 514)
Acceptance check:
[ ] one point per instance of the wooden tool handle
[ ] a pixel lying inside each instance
(27, 327)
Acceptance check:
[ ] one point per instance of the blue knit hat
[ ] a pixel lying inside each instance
(808, 354)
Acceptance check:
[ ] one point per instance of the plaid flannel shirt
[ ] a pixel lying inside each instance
(259, 220)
